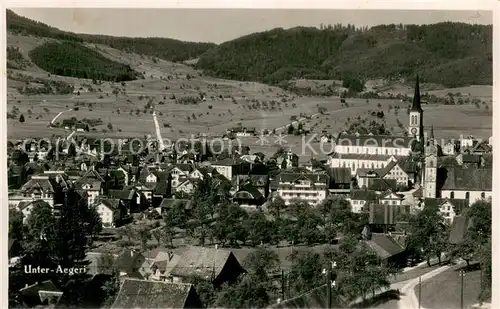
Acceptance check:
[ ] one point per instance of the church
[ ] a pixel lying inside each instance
(370, 151)
(413, 158)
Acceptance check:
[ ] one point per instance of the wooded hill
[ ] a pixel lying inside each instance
(168, 49)
(452, 54)
(73, 59)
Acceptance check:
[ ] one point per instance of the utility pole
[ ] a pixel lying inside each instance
(282, 284)
(419, 291)
(461, 289)
(329, 285)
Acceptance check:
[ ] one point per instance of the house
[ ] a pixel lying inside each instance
(394, 171)
(169, 203)
(391, 198)
(451, 148)
(163, 264)
(26, 207)
(131, 199)
(41, 187)
(449, 208)
(136, 293)
(111, 211)
(359, 198)
(129, 263)
(43, 293)
(229, 167)
(213, 264)
(468, 183)
(248, 196)
(185, 187)
(388, 250)
(309, 187)
(82, 127)
(364, 175)
(260, 182)
(101, 264)
(91, 182)
(287, 160)
(340, 180)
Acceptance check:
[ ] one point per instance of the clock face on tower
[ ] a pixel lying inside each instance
(414, 131)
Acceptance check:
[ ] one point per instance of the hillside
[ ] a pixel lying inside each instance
(452, 54)
(73, 59)
(168, 49)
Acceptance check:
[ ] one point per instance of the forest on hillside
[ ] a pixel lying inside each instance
(168, 49)
(75, 60)
(162, 48)
(452, 54)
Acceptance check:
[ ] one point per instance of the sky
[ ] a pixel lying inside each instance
(220, 25)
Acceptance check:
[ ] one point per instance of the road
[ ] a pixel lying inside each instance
(57, 116)
(409, 299)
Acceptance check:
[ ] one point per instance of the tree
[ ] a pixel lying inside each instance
(144, 236)
(19, 157)
(21, 118)
(16, 226)
(306, 272)
(276, 206)
(428, 233)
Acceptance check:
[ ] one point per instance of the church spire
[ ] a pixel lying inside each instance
(416, 98)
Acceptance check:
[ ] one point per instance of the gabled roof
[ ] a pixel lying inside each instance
(418, 193)
(385, 170)
(128, 260)
(391, 195)
(39, 182)
(362, 194)
(23, 205)
(292, 177)
(248, 192)
(469, 179)
(365, 172)
(125, 194)
(379, 184)
(340, 174)
(161, 188)
(384, 245)
(136, 293)
(111, 203)
(206, 263)
(38, 293)
(458, 204)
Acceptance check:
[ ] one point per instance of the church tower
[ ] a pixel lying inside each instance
(416, 127)
(430, 172)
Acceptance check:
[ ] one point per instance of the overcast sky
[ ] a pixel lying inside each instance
(219, 25)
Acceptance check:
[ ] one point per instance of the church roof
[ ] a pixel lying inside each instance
(416, 107)
(469, 179)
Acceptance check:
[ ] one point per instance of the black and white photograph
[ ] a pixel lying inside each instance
(249, 158)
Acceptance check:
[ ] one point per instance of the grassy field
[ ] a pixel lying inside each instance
(443, 290)
(228, 104)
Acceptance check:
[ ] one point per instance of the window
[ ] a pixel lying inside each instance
(387, 151)
(467, 195)
(452, 194)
